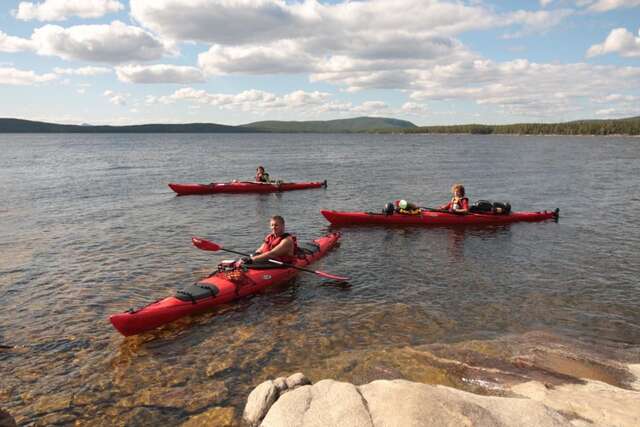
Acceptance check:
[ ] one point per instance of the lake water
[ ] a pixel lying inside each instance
(88, 227)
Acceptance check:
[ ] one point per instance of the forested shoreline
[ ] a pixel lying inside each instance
(630, 126)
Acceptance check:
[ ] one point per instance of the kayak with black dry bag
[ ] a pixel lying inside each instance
(436, 217)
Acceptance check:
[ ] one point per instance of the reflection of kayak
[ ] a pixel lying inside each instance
(243, 187)
(434, 218)
(221, 287)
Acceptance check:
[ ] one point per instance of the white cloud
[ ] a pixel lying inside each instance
(535, 22)
(617, 105)
(112, 43)
(608, 112)
(226, 22)
(60, 10)
(13, 76)
(372, 108)
(12, 44)
(300, 98)
(82, 71)
(618, 41)
(607, 5)
(358, 44)
(522, 87)
(616, 97)
(116, 98)
(260, 102)
(280, 57)
(159, 73)
(598, 5)
(414, 108)
(297, 103)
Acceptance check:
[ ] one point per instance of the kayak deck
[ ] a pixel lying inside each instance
(243, 187)
(430, 218)
(219, 288)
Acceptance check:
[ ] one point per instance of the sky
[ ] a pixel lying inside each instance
(239, 61)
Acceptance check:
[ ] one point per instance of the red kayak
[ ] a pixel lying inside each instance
(226, 285)
(434, 218)
(243, 187)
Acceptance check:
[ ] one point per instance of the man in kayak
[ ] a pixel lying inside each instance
(459, 203)
(278, 244)
(261, 175)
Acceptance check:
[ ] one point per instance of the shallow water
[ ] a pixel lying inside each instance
(88, 227)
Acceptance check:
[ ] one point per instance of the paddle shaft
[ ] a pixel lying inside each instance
(285, 264)
(443, 211)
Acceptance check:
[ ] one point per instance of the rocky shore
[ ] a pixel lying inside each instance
(536, 380)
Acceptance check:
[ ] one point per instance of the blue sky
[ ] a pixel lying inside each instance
(238, 61)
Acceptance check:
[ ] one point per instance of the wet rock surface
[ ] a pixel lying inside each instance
(400, 402)
(533, 379)
(263, 396)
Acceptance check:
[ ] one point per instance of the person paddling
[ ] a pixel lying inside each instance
(278, 244)
(261, 175)
(459, 203)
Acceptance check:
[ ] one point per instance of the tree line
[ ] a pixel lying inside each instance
(629, 126)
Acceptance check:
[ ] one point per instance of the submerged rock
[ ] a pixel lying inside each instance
(186, 398)
(6, 420)
(219, 417)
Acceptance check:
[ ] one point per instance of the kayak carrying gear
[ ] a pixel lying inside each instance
(486, 206)
(435, 218)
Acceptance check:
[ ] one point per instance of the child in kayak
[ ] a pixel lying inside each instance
(278, 244)
(459, 203)
(261, 175)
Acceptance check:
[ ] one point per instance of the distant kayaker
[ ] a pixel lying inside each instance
(261, 175)
(458, 203)
(278, 244)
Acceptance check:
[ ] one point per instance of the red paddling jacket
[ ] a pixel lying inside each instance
(271, 241)
(463, 204)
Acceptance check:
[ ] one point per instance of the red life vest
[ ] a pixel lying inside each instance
(271, 241)
(462, 204)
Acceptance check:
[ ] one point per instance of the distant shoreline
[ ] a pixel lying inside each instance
(366, 125)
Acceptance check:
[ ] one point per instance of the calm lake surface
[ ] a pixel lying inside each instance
(88, 227)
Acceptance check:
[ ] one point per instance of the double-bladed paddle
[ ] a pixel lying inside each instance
(207, 245)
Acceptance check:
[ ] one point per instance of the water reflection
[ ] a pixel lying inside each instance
(84, 242)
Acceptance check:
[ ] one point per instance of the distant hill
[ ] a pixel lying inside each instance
(28, 126)
(358, 124)
(626, 126)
